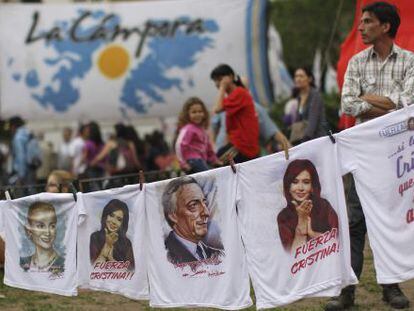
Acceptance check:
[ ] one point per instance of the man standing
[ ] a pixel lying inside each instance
(186, 211)
(378, 80)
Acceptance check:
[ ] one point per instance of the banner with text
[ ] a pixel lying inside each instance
(106, 60)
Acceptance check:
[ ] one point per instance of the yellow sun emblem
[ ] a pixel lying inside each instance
(113, 61)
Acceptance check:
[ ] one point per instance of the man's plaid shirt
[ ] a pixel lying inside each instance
(366, 74)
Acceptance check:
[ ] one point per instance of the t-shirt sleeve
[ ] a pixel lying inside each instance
(346, 153)
(236, 101)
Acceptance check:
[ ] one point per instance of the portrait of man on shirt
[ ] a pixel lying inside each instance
(187, 212)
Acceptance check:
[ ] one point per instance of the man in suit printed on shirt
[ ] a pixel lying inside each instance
(187, 213)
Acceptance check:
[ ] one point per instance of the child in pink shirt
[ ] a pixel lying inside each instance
(193, 146)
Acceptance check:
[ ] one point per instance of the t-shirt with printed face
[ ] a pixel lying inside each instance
(40, 233)
(197, 257)
(294, 224)
(379, 154)
(111, 242)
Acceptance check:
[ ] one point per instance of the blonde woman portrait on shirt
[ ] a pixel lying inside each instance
(192, 145)
(41, 230)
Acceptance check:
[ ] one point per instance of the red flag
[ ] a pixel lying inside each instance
(353, 43)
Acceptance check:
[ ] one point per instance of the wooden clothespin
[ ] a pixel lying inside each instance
(331, 137)
(141, 179)
(286, 149)
(231, 162)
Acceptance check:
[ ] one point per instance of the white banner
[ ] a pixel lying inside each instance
(108, 60)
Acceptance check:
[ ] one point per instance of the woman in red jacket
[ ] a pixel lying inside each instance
(241, 120)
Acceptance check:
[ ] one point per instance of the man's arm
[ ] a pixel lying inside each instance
(405, 94)
(351, 102)
(380, 102)
(374, 112)
(395, 99)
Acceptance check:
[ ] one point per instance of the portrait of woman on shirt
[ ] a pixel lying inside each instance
(306, 215)
(41, 229)
(110, 243)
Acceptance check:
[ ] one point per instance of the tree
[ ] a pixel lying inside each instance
(306, 25)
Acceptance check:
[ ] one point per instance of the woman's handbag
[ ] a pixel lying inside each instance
(297, 131)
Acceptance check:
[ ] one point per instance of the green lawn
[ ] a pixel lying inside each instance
(368, 298)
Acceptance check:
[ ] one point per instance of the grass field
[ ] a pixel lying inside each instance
(368, 298)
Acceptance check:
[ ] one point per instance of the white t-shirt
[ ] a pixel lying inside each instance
(291, 257)
(380, 155)
(40, 235)
(201, 263)
(111, 242)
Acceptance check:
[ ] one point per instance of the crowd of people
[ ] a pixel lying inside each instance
(28, 160)
(239, 128)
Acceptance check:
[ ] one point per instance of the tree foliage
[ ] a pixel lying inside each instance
(306, 25)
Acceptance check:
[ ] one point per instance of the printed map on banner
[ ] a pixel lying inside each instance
(113, 60)
(110, 61)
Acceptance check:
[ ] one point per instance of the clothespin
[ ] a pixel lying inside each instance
(331, 137)
(7, 194)
(141, 179)
(73, 189)
(286, 149)
(231, 162)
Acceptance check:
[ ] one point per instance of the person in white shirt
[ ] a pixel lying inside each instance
(78, 167)
(65, 153)
(187, 213)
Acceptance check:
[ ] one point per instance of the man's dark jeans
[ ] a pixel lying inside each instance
(357, 228)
